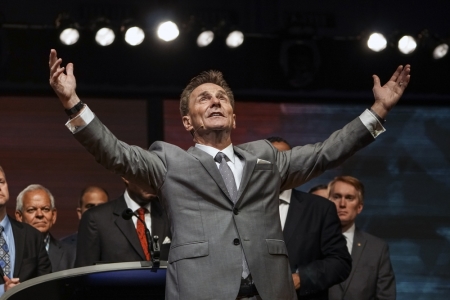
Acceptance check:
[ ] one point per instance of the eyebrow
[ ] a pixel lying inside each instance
(206, 93)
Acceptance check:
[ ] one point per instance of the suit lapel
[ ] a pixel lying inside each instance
(19, 243)
(359, 243)
(54, 252)
(250, 163)
(127, 227)
(210, 166)
(294, 216)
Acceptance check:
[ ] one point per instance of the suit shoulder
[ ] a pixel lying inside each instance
(313, 200)
(261, 148)
(164, 146)
(374, 239)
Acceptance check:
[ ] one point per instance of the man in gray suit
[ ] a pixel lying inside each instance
(222, 200)
(371, 276)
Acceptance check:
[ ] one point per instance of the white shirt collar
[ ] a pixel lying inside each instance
(228, 151)
(133, 205)
(286, 196)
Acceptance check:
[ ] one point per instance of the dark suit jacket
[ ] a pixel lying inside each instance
(104, 236)
(372, 276)
(31, 257)
(315, 244)
(71, 240)
(62, 255)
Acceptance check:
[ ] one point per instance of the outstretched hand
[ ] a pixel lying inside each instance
(63, 84)
(387, 96)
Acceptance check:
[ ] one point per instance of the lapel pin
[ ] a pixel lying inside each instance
(359, 244)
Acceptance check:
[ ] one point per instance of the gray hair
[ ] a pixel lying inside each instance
(30, 188)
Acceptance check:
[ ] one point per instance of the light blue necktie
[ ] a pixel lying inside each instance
(5, 260)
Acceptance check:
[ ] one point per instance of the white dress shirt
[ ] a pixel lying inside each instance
(134, 207)
(349, 234)
(285, 201)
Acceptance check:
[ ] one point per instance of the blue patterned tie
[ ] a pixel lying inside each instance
(228, 177)
(5, 260)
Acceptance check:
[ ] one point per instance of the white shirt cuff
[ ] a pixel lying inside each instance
(82, 120)
(372, 123)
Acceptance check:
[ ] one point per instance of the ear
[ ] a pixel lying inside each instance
(187, 123)
(79, 213)
(18, 216)
(234, 122)
(55, 214)
(360, 208)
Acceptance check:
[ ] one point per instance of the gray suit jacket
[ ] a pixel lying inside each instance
(62, 255)
(208, 231)
(372, 276)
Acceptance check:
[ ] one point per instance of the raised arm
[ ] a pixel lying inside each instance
(64, 84)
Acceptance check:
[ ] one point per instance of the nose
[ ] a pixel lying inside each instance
(342, 202)
(215, 101)
(39, 213)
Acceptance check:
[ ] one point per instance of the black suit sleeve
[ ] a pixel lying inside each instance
(336, 264)
(88, 248)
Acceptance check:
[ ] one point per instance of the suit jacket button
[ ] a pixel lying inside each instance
(236, 242)
(235, 211)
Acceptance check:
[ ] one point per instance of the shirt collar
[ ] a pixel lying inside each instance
(133, 205)
(228, 151)
(349, 233)
(286, 196)
(6, 223)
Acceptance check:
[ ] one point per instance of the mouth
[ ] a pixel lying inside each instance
(216, 114)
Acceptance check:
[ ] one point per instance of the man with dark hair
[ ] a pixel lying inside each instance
(372, 276)
(108, 238)
(90, 196)
(318, 254)
(22, 254)
(222, 200)
(36, 206)
(319, 190)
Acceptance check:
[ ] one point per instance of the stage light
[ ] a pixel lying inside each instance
(407, 44)
(235, 39)
(205, 38)
(376, 42)
(68, 30)
(168, 31)
(440, 51)
(105, 36)
(134, 36)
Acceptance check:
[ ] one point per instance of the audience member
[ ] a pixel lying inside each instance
(372, 276)
(90, 196)
(319, 190)
(22, 248)
(36, 206)
(107, 237)
(318, 254)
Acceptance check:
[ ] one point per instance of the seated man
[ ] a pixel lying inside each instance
(318, 254)
(104, 236)
(36, 207)
(372, 276)
(18, 265)
(90, 196)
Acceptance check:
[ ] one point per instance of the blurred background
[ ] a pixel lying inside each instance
(299, 70)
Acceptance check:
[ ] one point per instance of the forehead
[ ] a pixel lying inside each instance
(94, 195)
(36, 197)
(344, 187)
(2, 175)
(206, 87)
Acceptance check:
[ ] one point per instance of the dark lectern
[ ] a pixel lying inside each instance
(127, 280)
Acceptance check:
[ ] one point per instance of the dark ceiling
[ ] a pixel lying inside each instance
(324, 57)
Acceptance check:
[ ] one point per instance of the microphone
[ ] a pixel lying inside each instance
(195, 130)
(152, 242)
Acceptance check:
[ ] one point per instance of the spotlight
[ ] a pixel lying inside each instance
(168, 31)
(104, 34)
(440, 51)
(68, 30)
(205, 38)
(235, 39)
(407, 44)
(134, 36)
(376, 42)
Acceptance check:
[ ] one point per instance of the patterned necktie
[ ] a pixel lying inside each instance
(5, 261)
(228, 177)
(140, 229)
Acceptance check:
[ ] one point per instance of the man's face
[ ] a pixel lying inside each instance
(37, 211)
(4, 193)
(321, 193)
(281, 146)
(209, 109)
(90, 199)
(348, 205)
